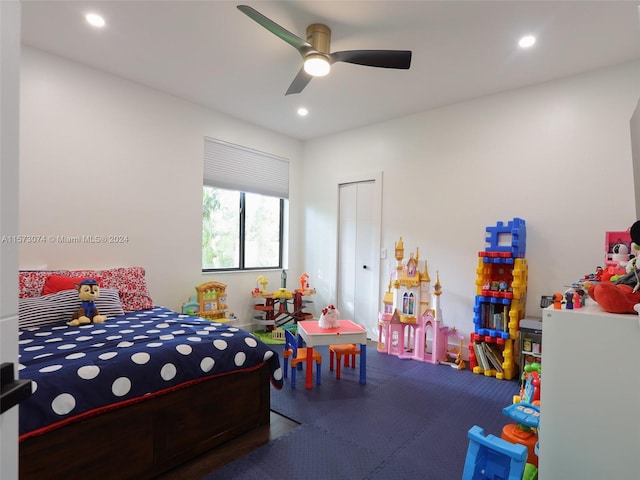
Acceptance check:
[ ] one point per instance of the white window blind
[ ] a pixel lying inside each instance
(234, 167)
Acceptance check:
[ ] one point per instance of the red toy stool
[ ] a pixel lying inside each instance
(349, 350)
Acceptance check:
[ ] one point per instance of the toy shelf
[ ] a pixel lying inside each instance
(501, 288)
(530, 342)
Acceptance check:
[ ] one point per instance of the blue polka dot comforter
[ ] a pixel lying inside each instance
(77, 371)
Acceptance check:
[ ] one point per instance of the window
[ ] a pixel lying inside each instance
(241, 230)
(244, 200)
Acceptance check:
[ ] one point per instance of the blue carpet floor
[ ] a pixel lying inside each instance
(409, 421)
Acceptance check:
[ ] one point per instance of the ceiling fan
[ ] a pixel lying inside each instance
(317, 57)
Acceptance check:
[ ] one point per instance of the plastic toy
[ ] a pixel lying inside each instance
(525, 431)
(569, 300)
(499, 309)
(493, 458)
(408, 327)
(298, 355)
(192, 307)
(530, 390)
(453, 355)
(621, 296)
(557, 301)
(577, 300)
(348, 351)
(525, 414)
(304, 284)
(617, 246)
(276, 310)
(212, 301)
(262, 281)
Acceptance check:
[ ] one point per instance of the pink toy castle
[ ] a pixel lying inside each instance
(408, 327)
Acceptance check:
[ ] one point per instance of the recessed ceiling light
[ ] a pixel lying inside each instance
(527, 41)
(303, 112)
(95, 20)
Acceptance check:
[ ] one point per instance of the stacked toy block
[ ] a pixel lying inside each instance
(501, 289)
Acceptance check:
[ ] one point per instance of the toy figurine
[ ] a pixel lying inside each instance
(304, 283)
(557, 300)
(569, 297)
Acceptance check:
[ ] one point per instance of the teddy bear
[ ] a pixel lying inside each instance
(88, 292)
(622, 295)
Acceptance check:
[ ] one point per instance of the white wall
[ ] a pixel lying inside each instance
(557, 155)
(103, 155)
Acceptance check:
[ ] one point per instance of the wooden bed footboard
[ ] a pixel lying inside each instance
(142, 440)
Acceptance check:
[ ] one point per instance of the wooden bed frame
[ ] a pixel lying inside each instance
(145, 439)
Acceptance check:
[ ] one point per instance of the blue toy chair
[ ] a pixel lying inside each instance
(298, 356)
(492, 458)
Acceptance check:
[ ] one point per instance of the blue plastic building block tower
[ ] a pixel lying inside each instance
(501, 289)
(491, 458)
(516, 232)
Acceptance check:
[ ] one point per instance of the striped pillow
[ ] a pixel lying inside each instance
(59, 307)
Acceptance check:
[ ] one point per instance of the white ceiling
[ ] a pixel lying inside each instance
(210, 53)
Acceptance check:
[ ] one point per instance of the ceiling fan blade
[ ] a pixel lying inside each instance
(302, 80)
(374, 58)
(301, 45)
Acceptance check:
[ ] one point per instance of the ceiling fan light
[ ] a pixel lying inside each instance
(316, 65)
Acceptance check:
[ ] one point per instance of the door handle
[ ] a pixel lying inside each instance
(364, 266)
(12, 391)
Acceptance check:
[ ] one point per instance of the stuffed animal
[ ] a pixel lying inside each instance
(329, 317)
(622, 295)
(88, 291)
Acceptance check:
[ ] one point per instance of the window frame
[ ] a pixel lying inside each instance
(242, 238)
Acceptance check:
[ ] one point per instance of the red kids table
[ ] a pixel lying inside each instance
(347, 332)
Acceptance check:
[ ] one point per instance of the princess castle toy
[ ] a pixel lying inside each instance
(408, 327)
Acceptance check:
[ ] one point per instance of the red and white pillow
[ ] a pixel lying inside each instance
(130, 283)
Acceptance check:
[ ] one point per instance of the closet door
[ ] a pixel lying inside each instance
(358, 252)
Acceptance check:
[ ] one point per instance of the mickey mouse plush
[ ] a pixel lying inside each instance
(621, 296)
(88, 291)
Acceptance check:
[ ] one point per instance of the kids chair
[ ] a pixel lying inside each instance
(491, 458)
(342, 350)
(298, 356)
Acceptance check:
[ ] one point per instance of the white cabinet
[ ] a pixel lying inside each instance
(590, 399)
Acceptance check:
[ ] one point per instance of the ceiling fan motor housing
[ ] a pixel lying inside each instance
(319, 36)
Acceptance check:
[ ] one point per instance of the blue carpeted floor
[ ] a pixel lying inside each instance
(409, 421)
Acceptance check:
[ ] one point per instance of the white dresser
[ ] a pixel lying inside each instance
(590, 398)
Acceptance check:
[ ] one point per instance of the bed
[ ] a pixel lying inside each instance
(137, 395)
